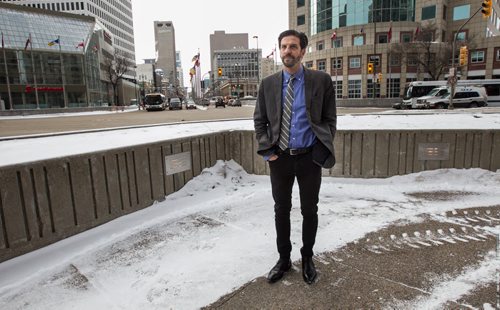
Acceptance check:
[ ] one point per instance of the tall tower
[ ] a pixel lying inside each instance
(165, 50)
(115, 15)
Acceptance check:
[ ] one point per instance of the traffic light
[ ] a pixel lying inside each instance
(220, 72)
(379, 77)
(463, 56)
(370, 68)
(486, 10)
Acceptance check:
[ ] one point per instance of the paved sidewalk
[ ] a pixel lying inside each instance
(393, 268)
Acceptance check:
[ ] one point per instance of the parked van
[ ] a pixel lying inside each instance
(465, 97)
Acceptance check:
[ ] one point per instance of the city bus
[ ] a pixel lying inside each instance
(416, 89)
(155, 101)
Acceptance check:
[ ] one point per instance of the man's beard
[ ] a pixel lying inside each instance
(290, 61)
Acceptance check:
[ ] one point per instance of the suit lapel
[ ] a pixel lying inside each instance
(278, 82)
(308, 88)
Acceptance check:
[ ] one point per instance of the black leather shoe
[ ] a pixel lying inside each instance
(279, 270)
(308, 270)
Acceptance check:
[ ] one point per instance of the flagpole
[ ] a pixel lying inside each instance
(85, 80)
(7, 75)
(63, 76)
(34, 73)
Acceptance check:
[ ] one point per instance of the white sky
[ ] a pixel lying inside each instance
(195, 20)
(157, 258)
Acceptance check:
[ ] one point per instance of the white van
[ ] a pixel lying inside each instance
(465, 97)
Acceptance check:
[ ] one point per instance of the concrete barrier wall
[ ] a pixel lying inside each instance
(44, 202)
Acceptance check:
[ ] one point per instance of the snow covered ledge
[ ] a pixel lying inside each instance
(48, 199)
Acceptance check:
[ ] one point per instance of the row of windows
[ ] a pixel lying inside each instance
(60, 6)
(395, 61)
(332, 14)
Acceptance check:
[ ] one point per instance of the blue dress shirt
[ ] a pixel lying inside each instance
(301, 134)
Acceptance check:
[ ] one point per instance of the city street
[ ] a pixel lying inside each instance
(42, 124)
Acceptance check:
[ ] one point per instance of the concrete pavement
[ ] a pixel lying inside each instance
(392, 268)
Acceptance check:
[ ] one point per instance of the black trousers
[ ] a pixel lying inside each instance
(284, 170)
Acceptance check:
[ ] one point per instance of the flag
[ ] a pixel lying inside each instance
(417, 31)
(389, 35)
(272, 53)
(81, 44)
(334, 35)
(362, 30)
(28, 42)
(196, 60)
(53, 42)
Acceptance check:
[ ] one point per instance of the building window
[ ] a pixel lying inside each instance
(393, 88)
(301, 20)
(309, 64)
(321, 65)
(461, 36)
(406, 37)
(395, 60)
(354, 88)
(336, 63)
(445, 8)
(369, 89)
(412, 60)
(354, 62)
(337, 42)
(338, 88)
(429, 12)
(477, 56)
(301, 3)
(498, 55)
(382, 38)
(320, 45)
(358, 40)
(461, 12)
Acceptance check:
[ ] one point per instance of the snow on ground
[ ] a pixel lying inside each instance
(217, 233)
(27, 150)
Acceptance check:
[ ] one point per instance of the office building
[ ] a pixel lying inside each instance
(165, 51)
(222, 41)
(404, 41)
(114, 15)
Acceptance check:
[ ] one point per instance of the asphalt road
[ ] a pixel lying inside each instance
(42, 125)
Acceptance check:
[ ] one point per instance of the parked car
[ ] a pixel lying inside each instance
(433, 94)
(465, 97)
(205, 102)
(220, 102)
(190, 104)
(212, 100)
(234, 102)
(175, 103)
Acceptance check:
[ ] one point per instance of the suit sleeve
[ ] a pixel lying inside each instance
(329, 112)
(262, 125)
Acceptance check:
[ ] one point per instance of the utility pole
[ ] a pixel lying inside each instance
(453, 71)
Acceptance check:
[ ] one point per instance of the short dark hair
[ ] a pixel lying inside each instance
(291, 32)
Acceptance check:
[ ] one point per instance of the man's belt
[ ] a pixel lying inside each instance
(298, 151)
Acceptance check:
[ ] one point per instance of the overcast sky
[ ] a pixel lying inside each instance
(195, 20)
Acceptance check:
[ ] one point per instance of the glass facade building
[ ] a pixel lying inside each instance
(333, 14)
(47, 60)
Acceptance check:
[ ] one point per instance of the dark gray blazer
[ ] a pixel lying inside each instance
(321, 113)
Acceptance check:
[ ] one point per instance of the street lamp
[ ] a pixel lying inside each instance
(258, 60)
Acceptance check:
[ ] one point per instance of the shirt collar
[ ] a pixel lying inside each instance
(299, 75)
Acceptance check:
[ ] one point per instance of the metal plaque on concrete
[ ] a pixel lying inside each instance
(177, 163)
(433, 151)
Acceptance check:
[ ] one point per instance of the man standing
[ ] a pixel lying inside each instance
(295, 122)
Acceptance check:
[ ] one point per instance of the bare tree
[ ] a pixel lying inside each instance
(116, 68)
(430, 56)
